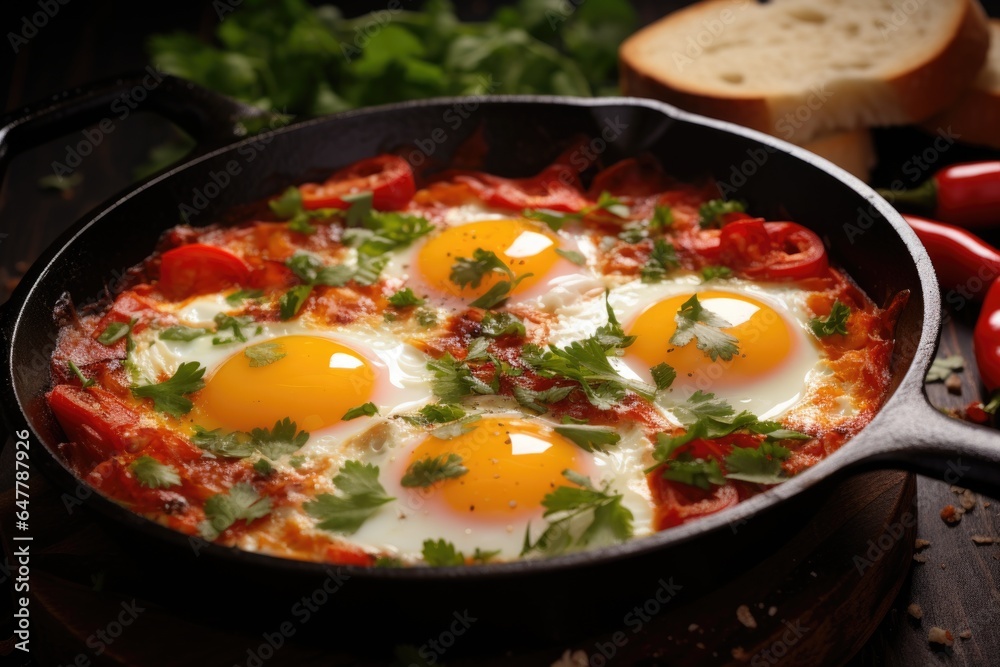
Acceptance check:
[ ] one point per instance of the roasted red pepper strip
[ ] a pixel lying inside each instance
(962, 194)
(963, 261)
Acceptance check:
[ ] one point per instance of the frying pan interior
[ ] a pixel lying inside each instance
(522, 135)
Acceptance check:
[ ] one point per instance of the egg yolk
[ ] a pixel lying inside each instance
(764, 338)
(512, 463)
(525, 247)
(313, 381)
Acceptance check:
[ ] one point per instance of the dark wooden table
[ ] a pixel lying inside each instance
(958, 587)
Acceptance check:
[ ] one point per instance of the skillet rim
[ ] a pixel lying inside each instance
(907, 393)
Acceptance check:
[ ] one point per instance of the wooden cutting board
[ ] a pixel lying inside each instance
(815, 601)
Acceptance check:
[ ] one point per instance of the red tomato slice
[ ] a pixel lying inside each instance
(631, 177)
(96, 422)
(678, 503)
(556, 187)
(771, 250)
(198, 269)
(389, 178)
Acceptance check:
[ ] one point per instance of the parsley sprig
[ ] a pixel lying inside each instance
(361, 496)
(154, 475)
(170, 396)
(224, 509)
(610, 521)
(711, 212)
(661, 260)
(694, 321)
(471, 272)
(432, 469)
(282, 439)
(834, 323)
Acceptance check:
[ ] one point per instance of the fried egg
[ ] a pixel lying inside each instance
(513, 461)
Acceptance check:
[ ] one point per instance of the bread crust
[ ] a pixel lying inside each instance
(910, 96)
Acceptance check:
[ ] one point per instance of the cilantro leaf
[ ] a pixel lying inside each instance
(713, 272)
(589, 438)
(427, 471)
(385, 231)
(698, 472)
(574, 256)
(287, 204)
(942, 367)
(442, 553)
(264, 354)
(554, 219)
(710, 213)
(169, 396)
(360, 497)
(761, 465)
(610, 521)
(694, 321)
(239, 296)
(436, 413)
(719, 417)
(608, 202)
(225, 322)
(481, 556)
(453, 380)
(224, 509)
(496, 324)
(405, 298)
(291, 302)
(663, 217)
(182, 333)
(662, 259)
(470, 272)
(537, 400)
(115, 332)
(85, 382)
(153, 474)
(834, 323)
(663, 375)
(274, 443)
(367, 410)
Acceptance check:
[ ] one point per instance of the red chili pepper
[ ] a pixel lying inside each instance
(963, 194)
(986, 338)
(963, 261)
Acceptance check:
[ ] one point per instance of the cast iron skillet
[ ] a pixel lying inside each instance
(520, 601)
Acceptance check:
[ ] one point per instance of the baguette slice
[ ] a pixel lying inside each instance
(975, 118)
(852, 151)
(799, 69)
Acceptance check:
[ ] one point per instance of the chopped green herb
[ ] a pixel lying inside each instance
(761, 465)
(179, 332)
(115, 332)
(436, 413)
(663, 217)
(153, 474)
(441, 553)
(608, 202)
(663, 375)
(360, 497)
(694, 321)
(264, 354)
(170, 396)
(427, 471)
(281, 440)
(537, 400)
(426, 317)
(715, 272)
(660, 261)
(481, 556)
(710, 213)
(454, 380)
(470, 272)
(224, 509)
(405, 298)
(501, 323)
(263, 467)
(834, 323)
(572, 255)
(239, 296)
(225, 322)
(291, 302)
(84, 381)
(697, 472)
(589, 438)
(610, 520)
(367, 410)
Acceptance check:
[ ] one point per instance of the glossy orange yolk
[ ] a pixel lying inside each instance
(513, 463)
(313, 381)
(764, 338)
(524, 246)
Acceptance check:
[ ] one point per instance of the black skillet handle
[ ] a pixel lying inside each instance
(922, 439)
(213, 120)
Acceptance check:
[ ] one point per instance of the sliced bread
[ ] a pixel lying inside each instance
(975, 118)
(852, 151)
(801, 69)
